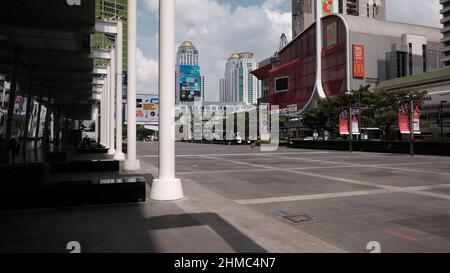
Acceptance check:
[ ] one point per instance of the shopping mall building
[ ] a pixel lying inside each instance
(357, 51)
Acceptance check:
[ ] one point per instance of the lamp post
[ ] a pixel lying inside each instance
(441, 117)
(411, 126)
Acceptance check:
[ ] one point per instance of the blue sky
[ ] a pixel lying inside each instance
(220, 27)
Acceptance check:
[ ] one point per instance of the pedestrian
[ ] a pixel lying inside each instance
(14, 148)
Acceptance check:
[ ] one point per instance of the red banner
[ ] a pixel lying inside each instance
(403, 118)
(416, 116)
(344, 122)
(355, 120)
(359, 70)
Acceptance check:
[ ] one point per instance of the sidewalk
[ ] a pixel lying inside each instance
(203, 222)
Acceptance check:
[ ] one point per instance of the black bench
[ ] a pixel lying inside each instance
(86, 166)
(75, 193)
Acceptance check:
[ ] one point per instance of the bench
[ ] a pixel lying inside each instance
(86, 166)
(75, 193)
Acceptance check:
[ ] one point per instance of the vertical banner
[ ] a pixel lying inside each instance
(344, 122)
(416, 116)
(403, 117)
(327, 7)
(332, 34)
(358, 61)
(355, 120)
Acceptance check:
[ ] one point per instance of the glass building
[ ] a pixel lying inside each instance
(107, 9)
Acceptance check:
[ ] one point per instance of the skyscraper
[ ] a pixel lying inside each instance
(446, 31)
(190, 85)
(222, 89)
(303, 11)
(240, 85)
(231, 76)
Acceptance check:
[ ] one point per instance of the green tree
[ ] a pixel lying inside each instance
(378, 109)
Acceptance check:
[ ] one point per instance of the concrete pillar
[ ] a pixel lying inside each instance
(132, 164)
(119, 82)
(96, 125)
(108, 110)
(112, 105)
(38, 123)
(167, 187)
(27, 116)
(12, 95)
(46, 134)
(103, 114)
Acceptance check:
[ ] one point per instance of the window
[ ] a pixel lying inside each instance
(281, 84)
(424, 58)
(410, 57)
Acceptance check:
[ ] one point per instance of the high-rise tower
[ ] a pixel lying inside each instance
(240, 86)
(189, 82)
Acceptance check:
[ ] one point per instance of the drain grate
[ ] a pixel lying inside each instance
(297, 219)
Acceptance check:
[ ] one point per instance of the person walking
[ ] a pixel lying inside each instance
(14, 148)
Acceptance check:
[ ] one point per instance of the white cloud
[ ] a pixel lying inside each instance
(217, 30)
(147, 74)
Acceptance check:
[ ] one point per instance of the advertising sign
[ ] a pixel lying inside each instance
(416, 116)
(147, 109)
(358, 61)
(189, 83)
(355, 120)
(343, 122)
(332, 34)
(403, 118)
(327, 7)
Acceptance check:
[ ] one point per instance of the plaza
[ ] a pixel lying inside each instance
(241, 200)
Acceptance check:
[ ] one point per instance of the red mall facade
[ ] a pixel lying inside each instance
(297, 63)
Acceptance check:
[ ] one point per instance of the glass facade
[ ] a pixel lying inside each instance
(297, 61)
(106, 9)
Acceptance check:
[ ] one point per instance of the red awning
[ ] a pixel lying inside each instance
(284, 65)
(262, 72)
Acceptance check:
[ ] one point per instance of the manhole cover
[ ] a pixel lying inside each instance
(297, 219)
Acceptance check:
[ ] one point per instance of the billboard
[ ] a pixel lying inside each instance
(327, 7)
(147, 109)
(332, 34)
(189, 83)
(358, 61)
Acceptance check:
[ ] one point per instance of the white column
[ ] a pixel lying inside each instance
(319, 87)
(107, 108)
(167, 187)
(131, 164)
(103, 115)
(96, 126)
(112, 105)
(119, 82)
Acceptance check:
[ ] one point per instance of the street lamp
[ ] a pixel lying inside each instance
(441, 117)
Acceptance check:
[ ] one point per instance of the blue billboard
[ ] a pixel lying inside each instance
(189, 83)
